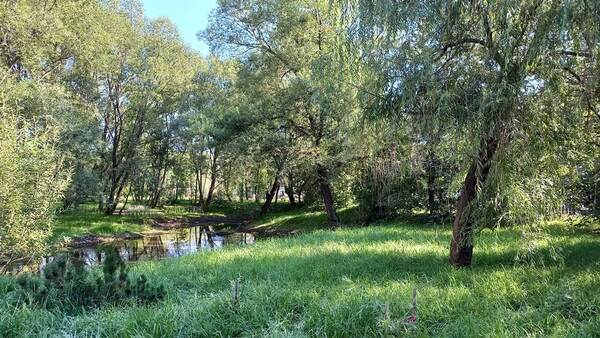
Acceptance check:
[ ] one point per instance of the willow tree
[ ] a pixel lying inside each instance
(135, 84)
(297, 43)
(39, 43)
(580, 70)
(486, 65)
(173, 68)
(215, 102)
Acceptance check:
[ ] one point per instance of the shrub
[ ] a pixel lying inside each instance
(31, 182)
(67, 284)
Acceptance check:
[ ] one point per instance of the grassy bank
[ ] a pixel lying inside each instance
(297, 220)
(86, 219)
(337, 284)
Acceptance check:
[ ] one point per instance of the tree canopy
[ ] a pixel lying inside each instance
(486, 113)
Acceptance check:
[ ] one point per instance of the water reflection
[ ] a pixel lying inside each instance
(170, 244)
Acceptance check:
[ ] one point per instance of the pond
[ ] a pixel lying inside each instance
(174, 243)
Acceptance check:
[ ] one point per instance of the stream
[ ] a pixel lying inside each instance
(173, 243)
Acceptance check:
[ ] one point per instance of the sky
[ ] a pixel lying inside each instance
(190, 16)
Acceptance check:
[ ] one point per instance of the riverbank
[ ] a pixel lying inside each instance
(358, 282)
(87, 227)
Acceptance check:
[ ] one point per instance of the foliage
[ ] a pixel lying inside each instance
(295, 68)
(31, 183)
(487, 112)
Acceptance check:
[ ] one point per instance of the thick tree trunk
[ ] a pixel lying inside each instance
(327, 193)
(269, 196)
(290, 193)
(211, 190)
(461, 247)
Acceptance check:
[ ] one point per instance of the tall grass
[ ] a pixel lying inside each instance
(337, 284)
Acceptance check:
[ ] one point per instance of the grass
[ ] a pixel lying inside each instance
(88, 220)
(336, 284)
(290, 219)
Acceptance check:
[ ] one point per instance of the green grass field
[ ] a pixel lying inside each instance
(336, 284)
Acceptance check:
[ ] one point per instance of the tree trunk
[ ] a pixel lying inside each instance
(300, 192)
(213, 179)
(327, 193)
(431, 189)
(126, 200)
(289, 189)
(290, 193)
(211, 190)
(227, 191)
(461, 247)
(157, 189)
(269, 196)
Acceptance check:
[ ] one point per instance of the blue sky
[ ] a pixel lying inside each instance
(190, 16)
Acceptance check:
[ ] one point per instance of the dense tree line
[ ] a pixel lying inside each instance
(484, 112)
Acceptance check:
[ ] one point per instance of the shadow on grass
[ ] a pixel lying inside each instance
(377, 255)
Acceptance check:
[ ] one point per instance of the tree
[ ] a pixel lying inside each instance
(137, 85)
(292, 44)
(31, 182)
(485, 66)
(173, 97)
(37, 104)
(210, 130)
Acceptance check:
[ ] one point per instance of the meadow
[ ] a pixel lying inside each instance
(294, 168)
(356, 281)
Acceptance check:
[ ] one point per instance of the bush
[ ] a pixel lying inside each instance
(31, 182)
(67, 284)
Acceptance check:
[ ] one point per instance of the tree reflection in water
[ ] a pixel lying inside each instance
(169, 244)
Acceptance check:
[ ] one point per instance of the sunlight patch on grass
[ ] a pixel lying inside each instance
(336, 283)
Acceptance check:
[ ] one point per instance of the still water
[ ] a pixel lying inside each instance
(175, 243)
